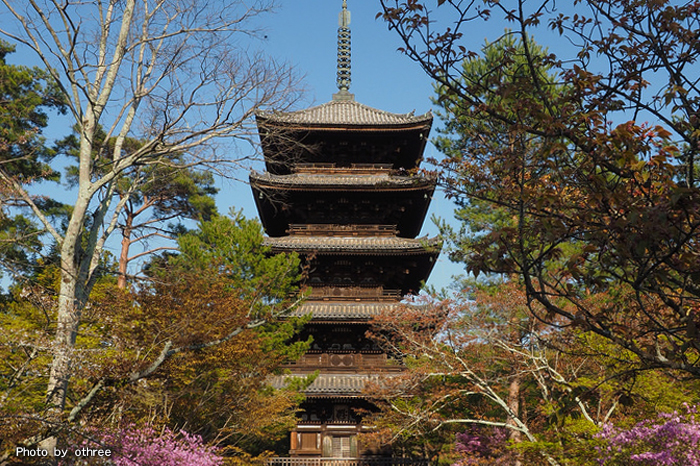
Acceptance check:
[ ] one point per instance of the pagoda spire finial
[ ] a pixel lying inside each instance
(343, 73)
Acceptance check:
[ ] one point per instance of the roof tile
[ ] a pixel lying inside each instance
(331, 384)
(344, 113)
(350, 244)
(346, 180)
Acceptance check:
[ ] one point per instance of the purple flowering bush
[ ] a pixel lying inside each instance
(144, 446)
(672, 440)
(482, 445)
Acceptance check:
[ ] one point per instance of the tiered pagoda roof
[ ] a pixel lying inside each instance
(344, 133)
(373, 245)
(332, 385)
(344, 114)
(388, 261)
(329, 311)
(328, 195)
(344, 181)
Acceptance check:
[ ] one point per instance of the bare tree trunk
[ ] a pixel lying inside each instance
(514, 405)
(67, 324)
(124, 254)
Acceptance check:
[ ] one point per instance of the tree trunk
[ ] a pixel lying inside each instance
(124, 254)
(514, 405)
(72, 293)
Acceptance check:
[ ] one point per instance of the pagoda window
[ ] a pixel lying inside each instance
(340, 446)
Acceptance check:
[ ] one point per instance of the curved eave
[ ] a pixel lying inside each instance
(330, 385)
(321, 127)
(355, 245)
(322, 311)
(307, 182)
(343, 115)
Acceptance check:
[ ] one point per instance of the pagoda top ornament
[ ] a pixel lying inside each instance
(343, 66)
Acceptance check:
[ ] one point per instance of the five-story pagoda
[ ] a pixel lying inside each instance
(341, 188)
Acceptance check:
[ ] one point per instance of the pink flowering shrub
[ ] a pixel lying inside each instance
(143, 446)
(673, 440)
(482, 445)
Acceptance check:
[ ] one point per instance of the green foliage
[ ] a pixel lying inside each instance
(162, 183)
(233, 247)
(155, 198)
(19, 242)
(499, 77)
(26, 95)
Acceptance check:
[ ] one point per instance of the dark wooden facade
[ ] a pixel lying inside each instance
(343, 190)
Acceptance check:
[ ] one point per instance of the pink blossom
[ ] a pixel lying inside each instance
(144, 446)
(672, 440)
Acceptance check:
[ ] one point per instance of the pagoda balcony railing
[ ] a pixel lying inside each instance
(354, 292)
(277, 461)
(350, 361)
(355, 168)
(341, 230)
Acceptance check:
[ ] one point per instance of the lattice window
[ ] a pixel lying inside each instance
(341, 447)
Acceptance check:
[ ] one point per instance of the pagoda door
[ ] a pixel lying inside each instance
(340, 446)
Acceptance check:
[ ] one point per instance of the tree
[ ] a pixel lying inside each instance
(168, 195)
(26, 94)
(462, 360)
(158, 198)
(164, 73)
(189, 350)
(603, 218)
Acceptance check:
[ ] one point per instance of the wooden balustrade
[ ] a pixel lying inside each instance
(344, 360)
(354, 292)
(277, 461)
(314, 229)
(353, 169)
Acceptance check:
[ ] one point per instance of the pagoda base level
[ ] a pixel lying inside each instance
(367, 461)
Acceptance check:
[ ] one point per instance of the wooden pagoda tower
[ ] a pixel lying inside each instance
(341, 188)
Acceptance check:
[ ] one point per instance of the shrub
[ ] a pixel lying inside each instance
(671, 440)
